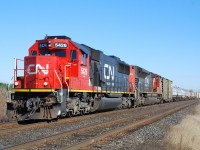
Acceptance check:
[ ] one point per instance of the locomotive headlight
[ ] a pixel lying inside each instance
(49, 45)
(16, 83)
(45, 83)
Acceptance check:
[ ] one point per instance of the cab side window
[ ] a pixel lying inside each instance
(73, 55)
(84, 59)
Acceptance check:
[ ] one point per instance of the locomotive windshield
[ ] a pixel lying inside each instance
(59, 53)
(45, 53)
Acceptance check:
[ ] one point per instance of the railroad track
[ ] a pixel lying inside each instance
(8, 125)
(87, 137)
(13, 127)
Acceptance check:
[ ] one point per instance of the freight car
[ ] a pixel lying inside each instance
(167, 89)
(64, 78)
(183, 94)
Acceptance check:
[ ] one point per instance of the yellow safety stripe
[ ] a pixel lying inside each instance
(101, 91)
(52, 90)
(33, 90)
(150, 92)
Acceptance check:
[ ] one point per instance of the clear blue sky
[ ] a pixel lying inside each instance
(162, 36)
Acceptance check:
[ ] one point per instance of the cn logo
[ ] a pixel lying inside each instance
(37, 68)
(108, 72)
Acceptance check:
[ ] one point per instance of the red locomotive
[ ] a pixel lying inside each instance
(64, 78)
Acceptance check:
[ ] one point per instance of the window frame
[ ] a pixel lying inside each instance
(61, 56)
(84, 59)
(73, 59)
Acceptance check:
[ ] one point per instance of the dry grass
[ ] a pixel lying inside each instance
(3, 97)
(186, 135)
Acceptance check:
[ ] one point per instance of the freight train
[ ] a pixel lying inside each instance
(62, 78)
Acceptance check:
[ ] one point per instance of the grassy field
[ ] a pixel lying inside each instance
(186, 135)
(3, 98)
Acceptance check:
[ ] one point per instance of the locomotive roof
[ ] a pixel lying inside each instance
(88, 50)
(143, 70)
(58, 37)
(82, 47)
(119, 60)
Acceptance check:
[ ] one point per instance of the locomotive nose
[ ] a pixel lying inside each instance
(39, 71)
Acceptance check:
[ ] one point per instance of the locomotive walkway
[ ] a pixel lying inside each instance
(90, 135)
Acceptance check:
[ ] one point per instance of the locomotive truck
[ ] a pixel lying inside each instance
(62, 78)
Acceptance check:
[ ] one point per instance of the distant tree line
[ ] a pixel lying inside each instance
(5, 85)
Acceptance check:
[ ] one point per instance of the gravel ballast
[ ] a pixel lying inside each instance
(151, 137)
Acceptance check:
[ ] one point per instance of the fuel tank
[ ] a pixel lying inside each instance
(151, 100)
(105, 103)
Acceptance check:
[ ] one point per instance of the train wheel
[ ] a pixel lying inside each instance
(69, 114)
(49, 120)
(82, 112)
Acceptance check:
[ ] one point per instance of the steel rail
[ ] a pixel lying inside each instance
(7, 124)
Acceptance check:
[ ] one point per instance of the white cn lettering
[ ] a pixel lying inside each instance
(38, 68)
(108, 72)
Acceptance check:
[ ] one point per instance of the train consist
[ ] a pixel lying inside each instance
(64, 78)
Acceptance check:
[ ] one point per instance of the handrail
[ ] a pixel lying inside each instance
(61, 94)
(16, 65)
(67, 83)
(137, 91)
